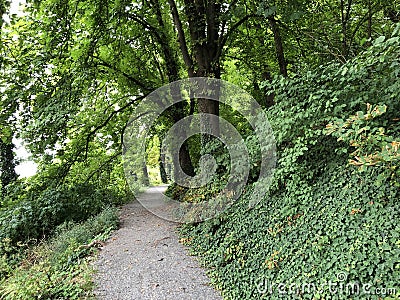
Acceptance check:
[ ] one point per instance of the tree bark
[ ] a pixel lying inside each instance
(145, 178)
(203, 19)
(177, 112)
(278, 46)
(163, 173)
(345, 14)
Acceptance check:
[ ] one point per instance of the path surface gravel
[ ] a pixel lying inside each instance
(144, 260)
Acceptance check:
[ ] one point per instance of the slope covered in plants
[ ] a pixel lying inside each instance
(328, 227)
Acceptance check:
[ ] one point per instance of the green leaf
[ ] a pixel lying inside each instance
(379, 40)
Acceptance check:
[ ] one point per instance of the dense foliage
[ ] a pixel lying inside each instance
(326, 73)
(37, 215)
(323, 216)
(59, 268)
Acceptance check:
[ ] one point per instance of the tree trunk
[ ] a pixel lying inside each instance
(203, 18)
(161, 161)
(278, 45)
(145, 178)
(7, 164)
(369, 26)
(345, 15)
(265, 98)
(177, 112)
(185, 162)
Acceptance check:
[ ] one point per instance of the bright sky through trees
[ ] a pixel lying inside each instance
(26, 168)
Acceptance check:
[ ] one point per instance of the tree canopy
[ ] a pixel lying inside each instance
(326, 72)
(74, 70)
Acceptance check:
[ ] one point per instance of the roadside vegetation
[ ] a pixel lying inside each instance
(58, 267)
(327, 74)
(332, 213)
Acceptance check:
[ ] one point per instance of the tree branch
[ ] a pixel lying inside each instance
(153, 30)
(102, 62)
(114, 113)
(181, 36)
(372, 11)
(225, 37)
(114, 156)
(230, 7)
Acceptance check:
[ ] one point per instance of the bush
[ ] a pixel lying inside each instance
(373, 147)
(59, 268)
(323, 221)
(35, 217)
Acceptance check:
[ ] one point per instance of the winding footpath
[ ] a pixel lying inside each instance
(144, 260)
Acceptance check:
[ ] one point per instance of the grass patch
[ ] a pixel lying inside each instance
(60, 267)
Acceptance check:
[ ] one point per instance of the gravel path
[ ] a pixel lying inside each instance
(144, 260)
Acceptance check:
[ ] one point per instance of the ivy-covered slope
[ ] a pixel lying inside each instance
(326, 230)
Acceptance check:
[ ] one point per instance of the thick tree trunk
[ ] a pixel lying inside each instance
(209, 124)
(208, 106)
(177, 112)
(203, 18)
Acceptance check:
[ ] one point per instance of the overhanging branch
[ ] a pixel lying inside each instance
(181, 36)
(224, 38)
(140, 84)
(108, 161)
(107, 120)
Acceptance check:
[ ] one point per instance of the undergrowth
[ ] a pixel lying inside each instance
(326, 229)
(58, 268)
(340, 225)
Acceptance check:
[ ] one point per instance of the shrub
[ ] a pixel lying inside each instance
(322, 221)
(35, 217)
(59, 268)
